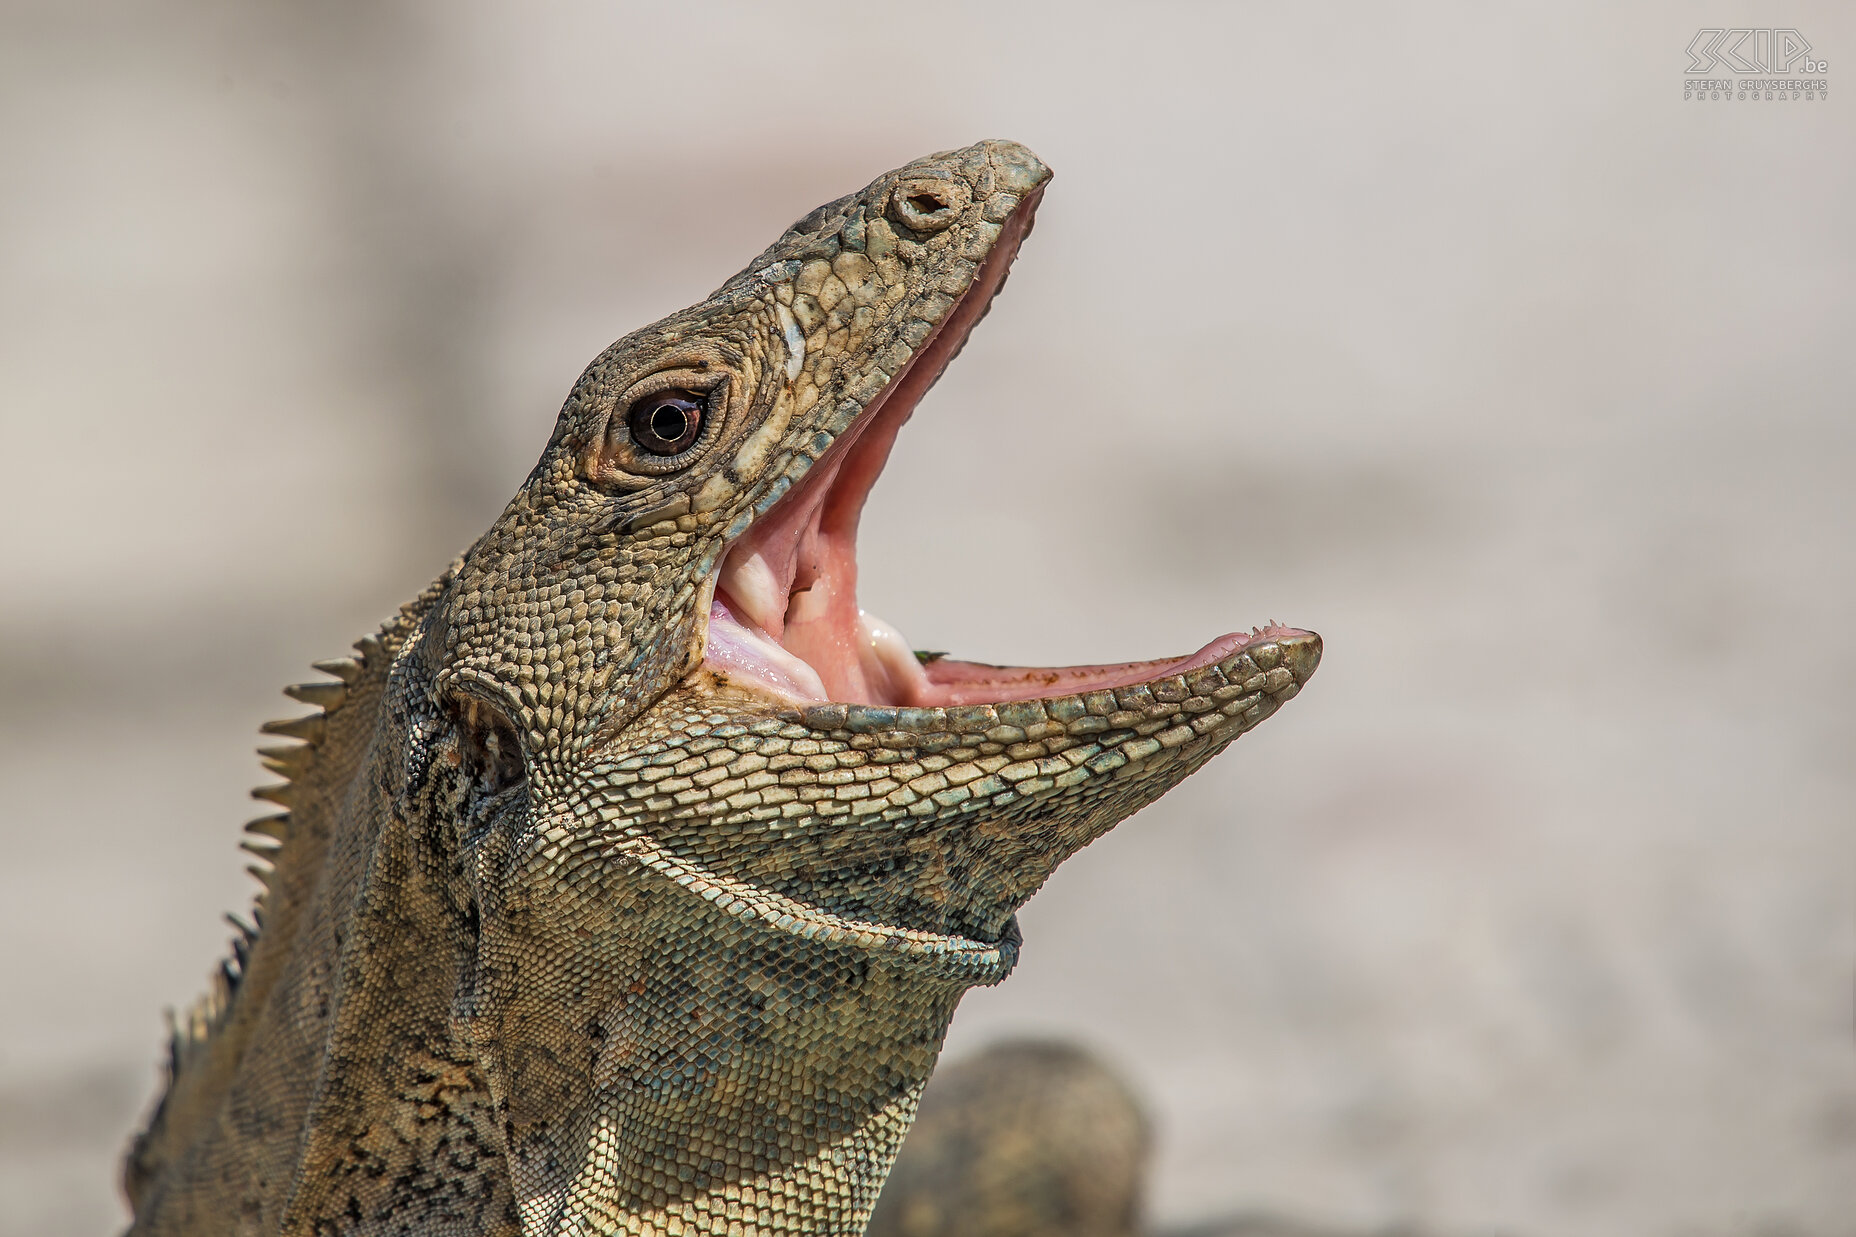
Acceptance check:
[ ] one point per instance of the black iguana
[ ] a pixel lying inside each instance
(629, 876)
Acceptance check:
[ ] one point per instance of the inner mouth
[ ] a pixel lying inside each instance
(785, 616)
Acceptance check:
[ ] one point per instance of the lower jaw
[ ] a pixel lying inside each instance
(888, 673)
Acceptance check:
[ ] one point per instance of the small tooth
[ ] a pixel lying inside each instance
(282, 794)
(750, 582)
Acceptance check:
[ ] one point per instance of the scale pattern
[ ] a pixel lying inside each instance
(563, 932)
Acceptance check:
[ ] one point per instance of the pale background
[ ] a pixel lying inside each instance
(1457, 336)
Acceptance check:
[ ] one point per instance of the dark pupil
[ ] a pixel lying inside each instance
(666, 424)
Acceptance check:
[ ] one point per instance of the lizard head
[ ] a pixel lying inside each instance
(680, 572)
(719, 819)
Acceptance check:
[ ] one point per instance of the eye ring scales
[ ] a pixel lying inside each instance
(661, 426)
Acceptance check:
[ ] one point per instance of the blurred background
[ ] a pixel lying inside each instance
(1455, 334)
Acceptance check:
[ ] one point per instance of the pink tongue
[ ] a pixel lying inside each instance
(738, 650)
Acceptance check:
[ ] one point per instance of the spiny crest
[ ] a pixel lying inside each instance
(286, 844)
(269, 836)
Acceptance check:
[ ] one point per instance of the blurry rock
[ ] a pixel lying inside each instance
(1026, 1139)
(1259, 1225)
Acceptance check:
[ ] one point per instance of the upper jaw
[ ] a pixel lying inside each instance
(784, 620)
(785, 617)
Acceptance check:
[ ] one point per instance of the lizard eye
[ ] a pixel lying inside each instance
(663, 424)
(667, 422)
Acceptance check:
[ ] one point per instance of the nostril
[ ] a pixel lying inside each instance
(928, 204)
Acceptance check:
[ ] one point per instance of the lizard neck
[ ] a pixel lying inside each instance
(425, 1035)
(325, 1066)
(686, 1053)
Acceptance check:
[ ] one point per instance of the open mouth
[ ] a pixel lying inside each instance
(785, 616)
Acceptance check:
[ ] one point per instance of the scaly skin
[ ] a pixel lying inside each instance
(567, 931)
